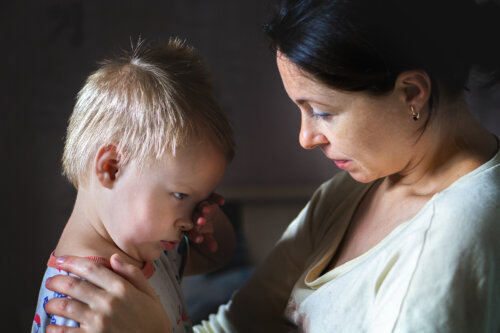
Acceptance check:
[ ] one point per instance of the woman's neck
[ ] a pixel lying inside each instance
(453, 144)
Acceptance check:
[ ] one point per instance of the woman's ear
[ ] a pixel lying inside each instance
(107, 165)
(415, 86)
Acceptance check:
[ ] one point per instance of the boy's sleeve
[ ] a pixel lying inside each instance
(43, 319)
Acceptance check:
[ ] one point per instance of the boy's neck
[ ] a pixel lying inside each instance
(84, 235)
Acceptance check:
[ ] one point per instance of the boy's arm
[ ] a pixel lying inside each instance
(43, 318)
(212, 242)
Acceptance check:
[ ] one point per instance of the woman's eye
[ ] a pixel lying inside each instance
(179, 196)
(320, 114)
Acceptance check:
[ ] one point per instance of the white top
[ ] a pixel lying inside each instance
(438, 272)
(166, 281)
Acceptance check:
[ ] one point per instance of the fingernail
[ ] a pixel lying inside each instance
(48, 280)
(119, 259)
(60, 260)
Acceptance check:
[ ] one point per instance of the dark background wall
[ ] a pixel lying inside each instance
(47, 50)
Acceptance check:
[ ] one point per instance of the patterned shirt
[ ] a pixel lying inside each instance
(164, 275)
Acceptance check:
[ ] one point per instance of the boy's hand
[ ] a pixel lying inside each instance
(213, 240)
(203, 230)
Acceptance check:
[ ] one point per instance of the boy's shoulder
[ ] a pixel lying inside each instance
(43, 319)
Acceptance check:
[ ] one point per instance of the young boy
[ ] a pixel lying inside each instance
(146, 144)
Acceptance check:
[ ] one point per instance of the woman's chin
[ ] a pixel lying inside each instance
(362, 177)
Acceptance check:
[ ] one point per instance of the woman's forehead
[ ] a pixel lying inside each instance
(302, 86)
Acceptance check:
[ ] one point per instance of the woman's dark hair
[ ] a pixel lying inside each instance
(363, 45)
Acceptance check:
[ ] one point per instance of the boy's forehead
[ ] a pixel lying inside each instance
(193, 148)
(198, 169)
(192, 157)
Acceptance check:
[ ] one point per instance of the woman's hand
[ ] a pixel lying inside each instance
(106, 302)
(203, 230)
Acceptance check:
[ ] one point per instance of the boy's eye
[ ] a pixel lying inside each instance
(179, 196)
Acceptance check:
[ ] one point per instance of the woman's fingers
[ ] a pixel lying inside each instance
(94, 308)
(97, 274)
(74, 287)
(63, 329)
(101, 277)
(106, 301)
(94, 298)
(70, 307)
(132, 274)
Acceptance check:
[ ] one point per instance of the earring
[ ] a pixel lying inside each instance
(415, 115)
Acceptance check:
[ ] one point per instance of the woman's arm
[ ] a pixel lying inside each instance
(106, 302)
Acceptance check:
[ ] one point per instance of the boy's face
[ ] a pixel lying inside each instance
(150, 209)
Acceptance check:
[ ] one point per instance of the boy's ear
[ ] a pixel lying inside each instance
(107, 165)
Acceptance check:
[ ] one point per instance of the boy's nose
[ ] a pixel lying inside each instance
(184, 224)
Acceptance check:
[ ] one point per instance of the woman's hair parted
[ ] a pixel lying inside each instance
(363, 45)
(150, 100)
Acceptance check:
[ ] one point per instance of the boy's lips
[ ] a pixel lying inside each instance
(169, 245)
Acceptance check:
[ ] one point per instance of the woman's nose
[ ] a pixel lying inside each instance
(310, 137)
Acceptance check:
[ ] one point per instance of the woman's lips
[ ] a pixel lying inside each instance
(342, 164)
(168, 245)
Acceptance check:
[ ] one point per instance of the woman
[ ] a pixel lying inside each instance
(406, 239)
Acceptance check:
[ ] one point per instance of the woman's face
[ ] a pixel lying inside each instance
(368, 136)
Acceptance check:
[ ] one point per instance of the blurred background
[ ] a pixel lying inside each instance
(48, 49)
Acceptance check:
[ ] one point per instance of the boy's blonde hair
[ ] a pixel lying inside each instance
(148, 102)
